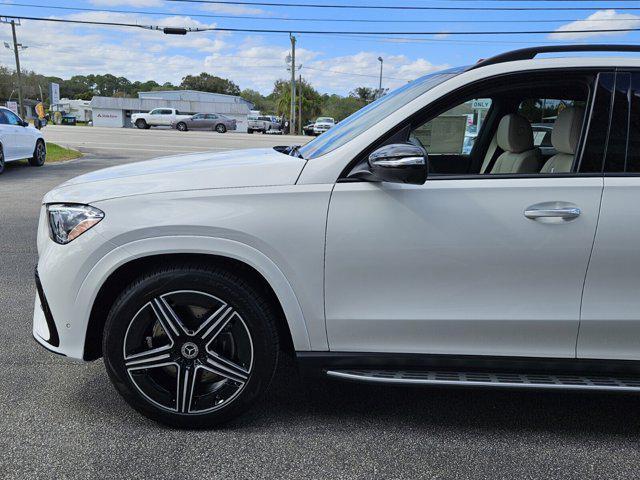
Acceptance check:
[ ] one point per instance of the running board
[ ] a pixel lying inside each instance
(482, 379)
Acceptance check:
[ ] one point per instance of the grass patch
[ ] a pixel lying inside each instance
(56, 153)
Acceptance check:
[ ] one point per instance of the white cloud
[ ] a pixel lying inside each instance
(601, 20)
(127, 3)
(233, 9)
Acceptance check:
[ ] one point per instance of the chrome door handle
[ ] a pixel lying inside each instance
(566, 213)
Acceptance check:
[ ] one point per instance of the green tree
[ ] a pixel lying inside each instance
(364, 94)
(311, 99)
(210, 83)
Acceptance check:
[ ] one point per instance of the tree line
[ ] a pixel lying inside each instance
(84, 87)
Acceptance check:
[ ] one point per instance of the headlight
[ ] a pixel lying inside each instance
(67, 222)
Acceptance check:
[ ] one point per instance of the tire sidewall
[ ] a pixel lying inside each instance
(182, 126)
(141, 124)
(35, 160)
(220, 128)
(238, 295)
(2, 160)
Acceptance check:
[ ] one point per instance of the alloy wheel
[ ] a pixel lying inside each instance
(188, 352)
(41, 153)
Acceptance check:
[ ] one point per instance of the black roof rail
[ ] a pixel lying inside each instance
(531, 52)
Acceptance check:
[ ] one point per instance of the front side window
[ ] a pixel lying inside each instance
(211, 116)
(454, 131)
(155, 112)
(12, 118)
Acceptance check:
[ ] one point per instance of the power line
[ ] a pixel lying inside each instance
(184, 30)
(308, 19)
(396, 7)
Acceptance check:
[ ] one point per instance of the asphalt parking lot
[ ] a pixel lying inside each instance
(64, 420)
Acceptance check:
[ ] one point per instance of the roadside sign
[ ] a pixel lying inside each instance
(482, 104)
(13, 106)
(54, 93)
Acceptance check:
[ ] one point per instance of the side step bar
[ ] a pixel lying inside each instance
(482, 379)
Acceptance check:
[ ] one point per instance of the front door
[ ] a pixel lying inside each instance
(465, 266)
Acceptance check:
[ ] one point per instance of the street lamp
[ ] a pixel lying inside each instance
(380, 84)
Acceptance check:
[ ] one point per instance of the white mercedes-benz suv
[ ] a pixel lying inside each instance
(378, 252)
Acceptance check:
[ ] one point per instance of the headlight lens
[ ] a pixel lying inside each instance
(67, 222)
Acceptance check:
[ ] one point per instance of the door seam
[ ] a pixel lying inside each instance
(586, 273)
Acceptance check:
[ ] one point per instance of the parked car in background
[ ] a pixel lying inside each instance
(308, 128)
(157, 117)
(19, 140)
(205, 121)
(262, 123)
(323, 124)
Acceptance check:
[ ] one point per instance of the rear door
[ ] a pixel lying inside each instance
(610, 320)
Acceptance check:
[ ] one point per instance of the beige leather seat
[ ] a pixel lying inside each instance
(564, 138)
(515, 138)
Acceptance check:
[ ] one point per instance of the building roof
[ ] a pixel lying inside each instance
(192, 95)
(187, 106)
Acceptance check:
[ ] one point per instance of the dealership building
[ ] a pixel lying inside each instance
(116, 111)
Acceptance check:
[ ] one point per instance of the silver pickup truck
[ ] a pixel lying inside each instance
(262, 123)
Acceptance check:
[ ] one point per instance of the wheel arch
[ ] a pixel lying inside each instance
(290, 323)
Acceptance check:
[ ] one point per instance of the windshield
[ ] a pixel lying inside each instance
(368, 116)
(325, 120)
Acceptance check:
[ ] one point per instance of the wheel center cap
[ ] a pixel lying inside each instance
(189, 350)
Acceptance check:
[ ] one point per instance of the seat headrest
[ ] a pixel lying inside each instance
(514, 134)
(566, 130)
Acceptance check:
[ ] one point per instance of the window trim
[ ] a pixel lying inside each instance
(631, 71)
(443, 103)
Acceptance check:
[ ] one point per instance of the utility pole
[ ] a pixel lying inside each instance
(292, 119)
(19, 74)
(380, 84)
(300, 106)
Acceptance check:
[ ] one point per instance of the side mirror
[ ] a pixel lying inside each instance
(399, 163)
(24, 123)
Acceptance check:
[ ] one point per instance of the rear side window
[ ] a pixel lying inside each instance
(633, 147)
(595, 145)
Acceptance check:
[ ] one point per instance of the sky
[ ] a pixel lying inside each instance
(332, 63)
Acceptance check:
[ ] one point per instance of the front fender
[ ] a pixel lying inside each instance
(201, 245)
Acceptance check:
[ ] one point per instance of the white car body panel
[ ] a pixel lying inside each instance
(197, 171)
(401, 257)
(610, 325)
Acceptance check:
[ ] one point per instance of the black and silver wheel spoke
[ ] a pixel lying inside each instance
(186, 382)
(168, 318)
(226, 368)
(154, 358)
(214, 324)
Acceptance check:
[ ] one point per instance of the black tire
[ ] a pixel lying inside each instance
(182, 126)
(220, 128)
(256, 316)
(1, 159)
(249, 131)
(39, 154)
(142, 124)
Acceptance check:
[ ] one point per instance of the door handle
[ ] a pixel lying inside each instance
(566, 213)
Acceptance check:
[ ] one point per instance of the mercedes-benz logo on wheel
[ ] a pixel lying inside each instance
(189, 350)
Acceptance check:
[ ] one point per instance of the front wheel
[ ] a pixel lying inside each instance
(39, 154)
(220, 128)
(189, 346)
(142, 124)
(182, 126)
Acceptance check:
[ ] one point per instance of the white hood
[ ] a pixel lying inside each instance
(198, 171)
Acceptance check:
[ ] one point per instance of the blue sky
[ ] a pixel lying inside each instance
(334, 64)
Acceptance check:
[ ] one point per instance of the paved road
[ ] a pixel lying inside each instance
(64, 420)
(134, 143)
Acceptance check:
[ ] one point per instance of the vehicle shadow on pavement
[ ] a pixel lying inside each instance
(422, 408)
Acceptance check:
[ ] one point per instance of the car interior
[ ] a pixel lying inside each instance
(504, 140)
(524, 124)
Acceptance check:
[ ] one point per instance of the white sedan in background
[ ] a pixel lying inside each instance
(19, 140)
